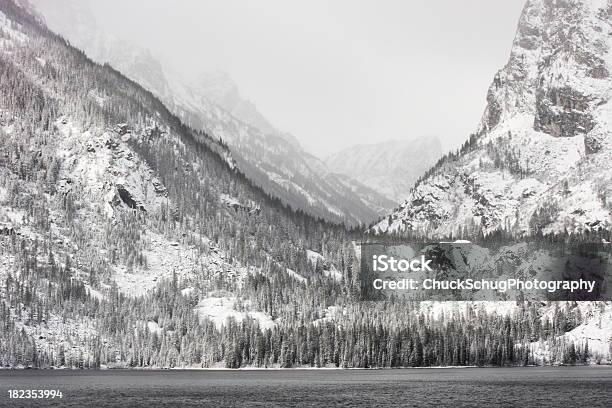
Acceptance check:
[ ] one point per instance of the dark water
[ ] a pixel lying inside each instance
(521, 387)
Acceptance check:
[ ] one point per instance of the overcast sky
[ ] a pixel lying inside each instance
(336, 73)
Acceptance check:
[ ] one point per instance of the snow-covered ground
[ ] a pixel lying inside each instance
(439, 310)
(60, 333)
(220, 309)
(596, 331)
(164, 259)
(296, 276)
(328, 269)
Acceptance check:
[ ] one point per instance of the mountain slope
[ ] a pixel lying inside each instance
(116, 218)
(390, 168)
(540, 160)
(128, 239)
(273, 160)
(220, 89)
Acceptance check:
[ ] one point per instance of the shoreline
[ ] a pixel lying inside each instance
(594, 366)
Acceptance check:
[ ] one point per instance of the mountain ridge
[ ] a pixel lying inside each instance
(389, 167)
(272, 159)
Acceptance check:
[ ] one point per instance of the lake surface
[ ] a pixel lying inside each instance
(461, 387)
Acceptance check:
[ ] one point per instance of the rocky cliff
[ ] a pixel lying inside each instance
(540, 158)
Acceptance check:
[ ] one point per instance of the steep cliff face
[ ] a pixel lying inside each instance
(557, 68)
(540, 158)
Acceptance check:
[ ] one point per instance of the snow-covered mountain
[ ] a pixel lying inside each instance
(390, 168)
(219, 88)
(540, 159)
(128, 239)
(129, 203)
(212, 102)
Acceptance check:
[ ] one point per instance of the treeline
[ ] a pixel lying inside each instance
(355, 335)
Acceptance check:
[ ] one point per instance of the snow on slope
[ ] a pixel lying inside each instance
(296, 276)
(597, 329)
(220, 309)
(60, 332)
(10, 33)
(541, 157)
(596, 332)
(96, 164)
(109, 176)
(327, 268)
(106, 177)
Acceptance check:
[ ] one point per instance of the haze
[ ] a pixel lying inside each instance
(336, 73)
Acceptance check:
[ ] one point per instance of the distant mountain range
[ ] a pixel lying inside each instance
(390, 168)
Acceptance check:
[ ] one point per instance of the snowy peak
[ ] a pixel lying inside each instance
(558, 71)
(391, 167)
(540, 158)
(219, 87)
(558, 68)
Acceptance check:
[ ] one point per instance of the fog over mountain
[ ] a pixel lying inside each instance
(365, 129)
(334, 74)
(211, 102)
